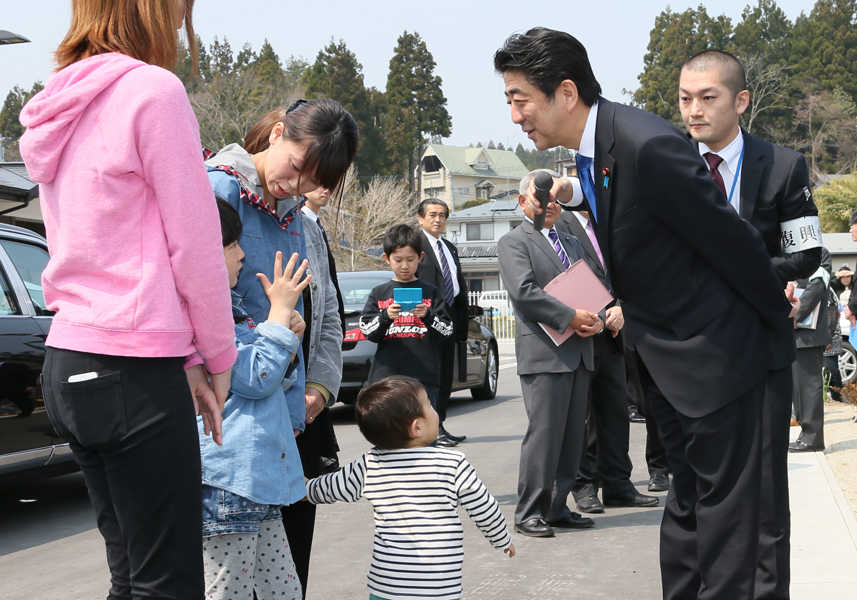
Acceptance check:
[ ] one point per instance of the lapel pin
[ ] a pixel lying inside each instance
(605, 172)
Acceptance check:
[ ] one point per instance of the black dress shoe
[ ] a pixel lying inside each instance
(659, 482)
(588, 502)
(534, 527)
(634, 415)
(630, 498)
(445, 441)
(573, 520)
(801, 446)
(455, 438)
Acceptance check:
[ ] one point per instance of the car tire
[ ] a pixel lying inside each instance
(848, 363)
(488, 389)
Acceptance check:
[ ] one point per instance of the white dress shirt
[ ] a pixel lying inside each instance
(729, 169)
(453, 270)
(587, 148)
(309, 212)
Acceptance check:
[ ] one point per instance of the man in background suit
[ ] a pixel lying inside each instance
(554, 379)
(606, 462)
(441, 268)
(768, 186)
(702, 309)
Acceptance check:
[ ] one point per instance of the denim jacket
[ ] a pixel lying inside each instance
(263, 234)
(259, 457)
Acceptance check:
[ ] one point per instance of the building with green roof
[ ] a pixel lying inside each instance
(466, 176)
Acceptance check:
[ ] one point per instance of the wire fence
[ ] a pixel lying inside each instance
(498, 315)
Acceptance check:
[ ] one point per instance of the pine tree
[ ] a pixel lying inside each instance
(337, 74)
(416, 106)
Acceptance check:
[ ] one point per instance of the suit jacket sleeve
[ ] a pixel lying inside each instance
(529, 299)
(678, 191)
(794, 205)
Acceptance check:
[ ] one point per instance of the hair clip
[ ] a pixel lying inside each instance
(295, 105)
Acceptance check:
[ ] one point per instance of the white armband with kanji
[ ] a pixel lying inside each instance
(797, 235)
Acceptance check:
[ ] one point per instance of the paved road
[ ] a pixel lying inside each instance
(50, 550)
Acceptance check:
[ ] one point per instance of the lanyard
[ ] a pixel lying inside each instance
(737, 174)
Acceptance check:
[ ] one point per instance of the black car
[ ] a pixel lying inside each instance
(28, 442)
(476, 364)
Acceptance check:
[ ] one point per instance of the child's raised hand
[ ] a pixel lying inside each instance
(510, 550)
(394, 310)
(287, 287)
(420, 310)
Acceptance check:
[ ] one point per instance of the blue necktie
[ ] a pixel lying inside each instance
(448, 294)
(586, 183)
(557, 247)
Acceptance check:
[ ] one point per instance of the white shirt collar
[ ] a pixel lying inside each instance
(309, 212)
(587, 140)
(544, 230)
(581, 219)
(430, 235)
(730, 154)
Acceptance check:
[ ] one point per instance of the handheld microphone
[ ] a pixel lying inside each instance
(543, 183)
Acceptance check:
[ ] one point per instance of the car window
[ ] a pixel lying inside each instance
(8, 306)
(355, 290)
(30, 260)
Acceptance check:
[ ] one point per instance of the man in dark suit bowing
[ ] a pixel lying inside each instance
(441, 268)
(554, 379)
(702, 303)
(768, 186)
(605, 462)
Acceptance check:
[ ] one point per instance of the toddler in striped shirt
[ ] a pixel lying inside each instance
(415, 490)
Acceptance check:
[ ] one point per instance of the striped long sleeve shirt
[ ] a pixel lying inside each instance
(415, 494)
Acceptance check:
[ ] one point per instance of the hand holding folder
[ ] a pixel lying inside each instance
(576, 287)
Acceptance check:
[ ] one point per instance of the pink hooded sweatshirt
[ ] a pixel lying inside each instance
(137, 265)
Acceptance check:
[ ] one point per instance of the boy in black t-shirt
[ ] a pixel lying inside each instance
(408, 341)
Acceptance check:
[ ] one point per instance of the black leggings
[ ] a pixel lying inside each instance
(131, 427)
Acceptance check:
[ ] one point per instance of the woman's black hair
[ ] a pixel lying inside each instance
(328, 131)
(230, 222)
(547, 57)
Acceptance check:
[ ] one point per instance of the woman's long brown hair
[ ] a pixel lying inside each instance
(142, 29)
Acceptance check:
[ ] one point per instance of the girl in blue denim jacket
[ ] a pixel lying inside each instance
(257, 469)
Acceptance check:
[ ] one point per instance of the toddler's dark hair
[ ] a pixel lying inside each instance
(402, 236)
(230, 222)
(386, 409)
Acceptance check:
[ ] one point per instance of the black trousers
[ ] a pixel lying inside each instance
(656, 456)
(447, 361)
(132, 430)
(605, 461)
(317, 440)
(710, 528)
(808, 395)
(773, 571)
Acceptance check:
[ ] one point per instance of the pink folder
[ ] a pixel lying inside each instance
(576, 287)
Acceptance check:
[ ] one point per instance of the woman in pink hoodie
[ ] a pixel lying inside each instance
(138, 284)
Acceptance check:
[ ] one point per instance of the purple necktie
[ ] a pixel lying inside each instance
(557, 247)
(591, 233)
(449, 290)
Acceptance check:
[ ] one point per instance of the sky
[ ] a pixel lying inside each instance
(462, 36)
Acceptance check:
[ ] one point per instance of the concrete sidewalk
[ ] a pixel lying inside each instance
(824, 529)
